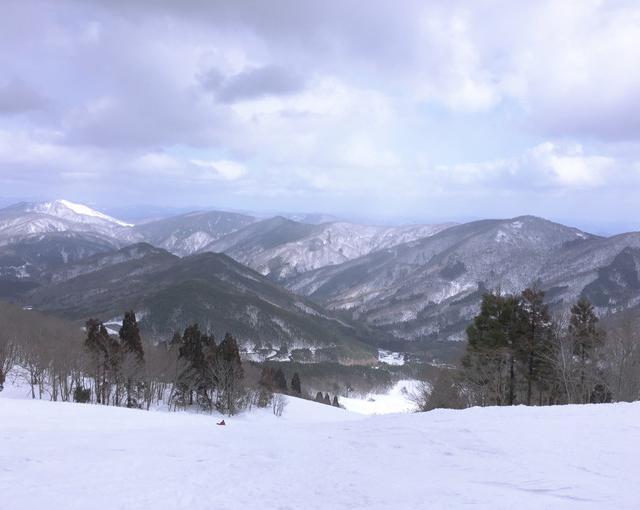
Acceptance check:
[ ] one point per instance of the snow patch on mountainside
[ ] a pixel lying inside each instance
(390, 357)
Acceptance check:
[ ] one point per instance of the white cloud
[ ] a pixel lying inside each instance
(545, 166)
(325, 101)
(573, 67)
(221, 169)
(191, 170)
(153, 162)
(571, 167)
(457, 78)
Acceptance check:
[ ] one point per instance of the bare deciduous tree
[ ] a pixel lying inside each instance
(279, 403)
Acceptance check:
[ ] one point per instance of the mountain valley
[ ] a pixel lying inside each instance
(283, 284)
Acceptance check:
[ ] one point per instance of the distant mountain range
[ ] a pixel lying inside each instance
(283, 248)
(169, 292)
(279, 277)
(430, 288)
(190, 233)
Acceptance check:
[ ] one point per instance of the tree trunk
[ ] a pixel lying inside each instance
(530, 378)
(511, 381)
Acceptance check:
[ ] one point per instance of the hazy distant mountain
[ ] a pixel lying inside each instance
(188, 233)
(144, 213)
(220, 294)
(311, 218)
(29, 261)
(183, 235)
(25, 219)
(283, 248)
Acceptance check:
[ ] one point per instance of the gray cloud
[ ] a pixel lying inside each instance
(270, 80)
(570, 66)
(18, 97)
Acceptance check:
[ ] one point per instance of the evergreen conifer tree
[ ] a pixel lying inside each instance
(105, 353)
(130, 336)
(490, 361)
(586, 338)
(280, 381)
(229, 374)
(295, 384)
(534, 344)
(197, 354)
(191, 347)
(133, 356)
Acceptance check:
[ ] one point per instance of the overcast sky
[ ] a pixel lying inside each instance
(426, 109)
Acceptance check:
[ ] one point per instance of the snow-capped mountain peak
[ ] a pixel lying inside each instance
(32, 218)
(74, 212)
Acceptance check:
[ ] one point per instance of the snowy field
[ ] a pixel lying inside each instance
(397, 400)
(75, 456)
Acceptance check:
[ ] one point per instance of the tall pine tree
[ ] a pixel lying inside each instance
(229, 374)
(534, 348)
(105, 353)
(130, 336)
(280, 381)
(133, 356)
(296, 388)
(586, 337)
(490, 360)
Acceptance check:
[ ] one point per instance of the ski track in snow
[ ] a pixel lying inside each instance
(75, 456)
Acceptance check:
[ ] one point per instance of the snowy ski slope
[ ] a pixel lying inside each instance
(74, 456)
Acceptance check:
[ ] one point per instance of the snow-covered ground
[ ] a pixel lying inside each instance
(75, 456)
(397, 400)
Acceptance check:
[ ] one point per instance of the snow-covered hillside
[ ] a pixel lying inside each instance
(73, 212)
(421, 289)
(189, 233)
(282, 248)
(74, 456)
(25, 219)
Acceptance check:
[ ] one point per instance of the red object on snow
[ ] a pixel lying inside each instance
(221, 423)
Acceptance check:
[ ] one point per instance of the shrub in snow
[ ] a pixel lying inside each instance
(81, 395)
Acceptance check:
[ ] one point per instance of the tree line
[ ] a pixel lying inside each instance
(61, 362)
(517, 353)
